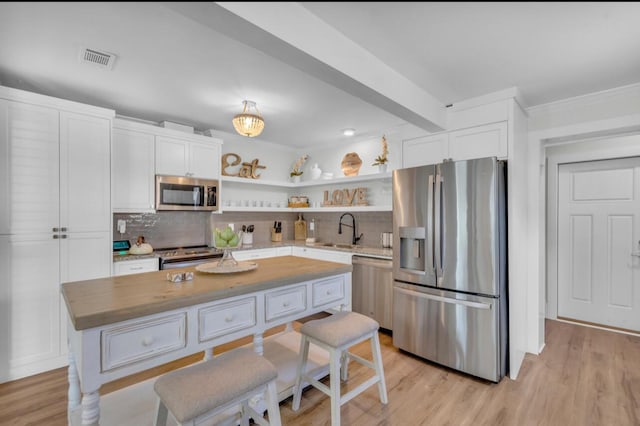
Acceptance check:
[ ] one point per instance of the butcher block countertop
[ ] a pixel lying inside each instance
(102, 301)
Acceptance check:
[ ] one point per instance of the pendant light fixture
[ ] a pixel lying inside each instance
(249, 123)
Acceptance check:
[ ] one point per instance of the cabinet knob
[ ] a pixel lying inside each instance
(147, 341)
(63, 229)
(55, 229)
(287, 303)
(56, 236)
(229, 318)
(63, 236)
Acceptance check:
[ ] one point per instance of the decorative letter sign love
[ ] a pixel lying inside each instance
(346, 197)
(248, 170)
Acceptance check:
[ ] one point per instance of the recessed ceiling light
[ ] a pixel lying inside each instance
(349, 132)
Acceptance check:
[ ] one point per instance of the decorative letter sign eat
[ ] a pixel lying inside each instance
(248, 170)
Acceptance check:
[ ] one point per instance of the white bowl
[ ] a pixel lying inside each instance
(327, 175)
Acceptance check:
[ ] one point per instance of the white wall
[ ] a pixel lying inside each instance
(577, 120)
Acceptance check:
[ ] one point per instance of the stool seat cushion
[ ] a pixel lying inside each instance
(197, 389)
(340, 328)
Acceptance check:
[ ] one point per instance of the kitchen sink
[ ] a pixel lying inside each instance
(344, 246)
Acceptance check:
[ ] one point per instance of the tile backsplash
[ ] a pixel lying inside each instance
(183, 229)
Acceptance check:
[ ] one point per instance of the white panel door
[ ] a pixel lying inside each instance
(29, 168)
(85, 173)
(599, 242)
(426, 150)
(172, 156)
(204, 161)
(29, 299)
(478, 142)
(133, 171)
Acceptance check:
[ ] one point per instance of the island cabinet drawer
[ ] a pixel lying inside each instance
(328, 291)
(225, 318)
(141, 340)
(286, 302)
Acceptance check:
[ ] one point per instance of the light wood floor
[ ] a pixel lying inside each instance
(584, 376)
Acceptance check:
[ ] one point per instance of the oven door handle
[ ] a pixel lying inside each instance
(185, 263)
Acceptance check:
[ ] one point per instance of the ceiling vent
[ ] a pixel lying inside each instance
(97, 58)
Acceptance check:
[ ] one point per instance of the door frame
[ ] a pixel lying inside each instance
(594, 149)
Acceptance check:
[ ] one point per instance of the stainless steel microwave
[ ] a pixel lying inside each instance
(186, 193)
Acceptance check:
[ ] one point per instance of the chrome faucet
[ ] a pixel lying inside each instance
(354, 240)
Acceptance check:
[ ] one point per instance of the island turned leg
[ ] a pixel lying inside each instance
(258, 402)
(208, 354)
(74, 394)
(258, 343)
(91, 408)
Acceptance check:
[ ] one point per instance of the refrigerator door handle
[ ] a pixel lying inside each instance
(467, 303)
(438, 226)
(429, 232)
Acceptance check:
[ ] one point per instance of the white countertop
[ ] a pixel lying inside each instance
(378, 252)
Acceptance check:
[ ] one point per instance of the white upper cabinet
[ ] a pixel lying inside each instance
(425, 150)
(30, 168)
(204, 160)
(177, 157)
(85, 172)
(133, 163)
(489, 140)
(172, 157)
(478, 142)
(141, 151)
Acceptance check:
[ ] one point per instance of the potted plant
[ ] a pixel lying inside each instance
(381, 160)
(297, 168)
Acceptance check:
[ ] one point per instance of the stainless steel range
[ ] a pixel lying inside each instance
(183, 257)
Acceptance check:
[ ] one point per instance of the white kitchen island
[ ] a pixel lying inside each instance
(122, 325)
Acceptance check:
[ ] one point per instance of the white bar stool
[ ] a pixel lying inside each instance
(211, 387)
(337, 334)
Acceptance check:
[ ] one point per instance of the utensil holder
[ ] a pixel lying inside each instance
(247, 238)
(276, 237)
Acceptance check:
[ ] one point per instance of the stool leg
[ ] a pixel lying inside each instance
(344, 365)
(161, 414)
(302, 364)
(377, 359)
(273, 405)
(334, 377)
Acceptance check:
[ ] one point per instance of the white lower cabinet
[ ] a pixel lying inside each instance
(328, 291)
(321, 254)
(283, 303)
(141, 340)
(255, 254)
(126, 267)
(224, 318)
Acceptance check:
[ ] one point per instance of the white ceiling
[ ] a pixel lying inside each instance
(170, 67)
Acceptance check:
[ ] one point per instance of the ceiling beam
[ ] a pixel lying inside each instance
(289, 32)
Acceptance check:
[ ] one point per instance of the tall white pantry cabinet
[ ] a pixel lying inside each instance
(55, 222)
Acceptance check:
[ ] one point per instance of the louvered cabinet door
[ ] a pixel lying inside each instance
(29, 168)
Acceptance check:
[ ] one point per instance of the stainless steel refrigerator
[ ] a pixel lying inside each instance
(450, 265)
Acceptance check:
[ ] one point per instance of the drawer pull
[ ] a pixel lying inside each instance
(147, 341)
(229, 318)
(287, 303)
(136, 268)
(328, 292)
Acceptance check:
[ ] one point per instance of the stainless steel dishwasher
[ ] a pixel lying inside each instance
(372, 289)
